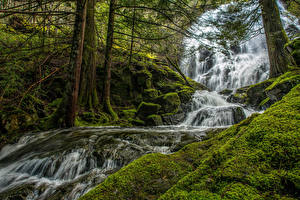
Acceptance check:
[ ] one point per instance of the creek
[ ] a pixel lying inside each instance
(65, 164)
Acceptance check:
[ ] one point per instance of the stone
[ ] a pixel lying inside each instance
(146, 109)
(169, 102)
(154, 120)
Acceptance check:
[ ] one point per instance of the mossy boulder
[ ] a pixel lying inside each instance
(186, 94)
(150, 94)
(282, 85)
(169, 102)
(145, 109)
(143, 79)
(154, 120)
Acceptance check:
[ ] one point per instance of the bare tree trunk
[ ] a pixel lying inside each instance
(88, 97)
(276, 38)
(108, 62)
(76, 60)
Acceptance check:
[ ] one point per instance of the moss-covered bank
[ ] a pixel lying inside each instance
(255, 159)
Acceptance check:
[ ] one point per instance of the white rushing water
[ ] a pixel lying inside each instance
(65, 164)
(222, 68)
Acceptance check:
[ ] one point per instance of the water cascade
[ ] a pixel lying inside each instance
(64, 164)
(220, 69)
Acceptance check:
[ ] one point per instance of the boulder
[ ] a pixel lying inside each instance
(146, 109)
(169, 102)
(154, 120)
(150, 94)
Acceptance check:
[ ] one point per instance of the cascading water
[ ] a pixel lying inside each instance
(219, 69)
(64, 164)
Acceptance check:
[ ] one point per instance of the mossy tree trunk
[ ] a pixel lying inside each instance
(108, 60)
(88, 95)
(276, 38)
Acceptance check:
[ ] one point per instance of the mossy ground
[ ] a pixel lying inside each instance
(255, 159)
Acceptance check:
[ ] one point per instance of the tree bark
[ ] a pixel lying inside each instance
(276, 38)
(66, 112)
(108, 62)
(132, 34)
(88, 95)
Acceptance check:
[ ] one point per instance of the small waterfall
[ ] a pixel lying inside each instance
(220, 68)
(65, 164)
(209, 109)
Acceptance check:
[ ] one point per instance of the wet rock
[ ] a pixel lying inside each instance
(251, 96)
(280, 88)
(226, 92)
(222, 116)
(173, 119)
(154, 120)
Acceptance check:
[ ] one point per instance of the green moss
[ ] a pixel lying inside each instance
(255, 159)
(146, 109)
(150, 94)
(264, 102)
(144, 78)
(145, 178)
(128, 113)
(185, 95)
(169, 102)
(154, 120)
(293, 77)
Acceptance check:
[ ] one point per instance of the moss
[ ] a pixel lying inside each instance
(144, 78)
(264, 102)
(296, 56)
(255, 159)
(137, 122)
(146, 109)
(293, 77)
(92, 119)
(185, 95)
(128, 113)
(145, 178)
(169, 102)
(154, 120)
(150, 94)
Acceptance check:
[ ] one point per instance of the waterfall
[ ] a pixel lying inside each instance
(219, 68)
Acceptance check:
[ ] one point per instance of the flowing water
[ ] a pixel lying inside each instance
(64, 164)
(237, 66)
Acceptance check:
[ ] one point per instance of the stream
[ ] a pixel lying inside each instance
(65, 164)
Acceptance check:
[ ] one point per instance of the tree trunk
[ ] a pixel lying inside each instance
(107, 62)
(132, 34)
(88, 95)
(276, 38)
(66, 112)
